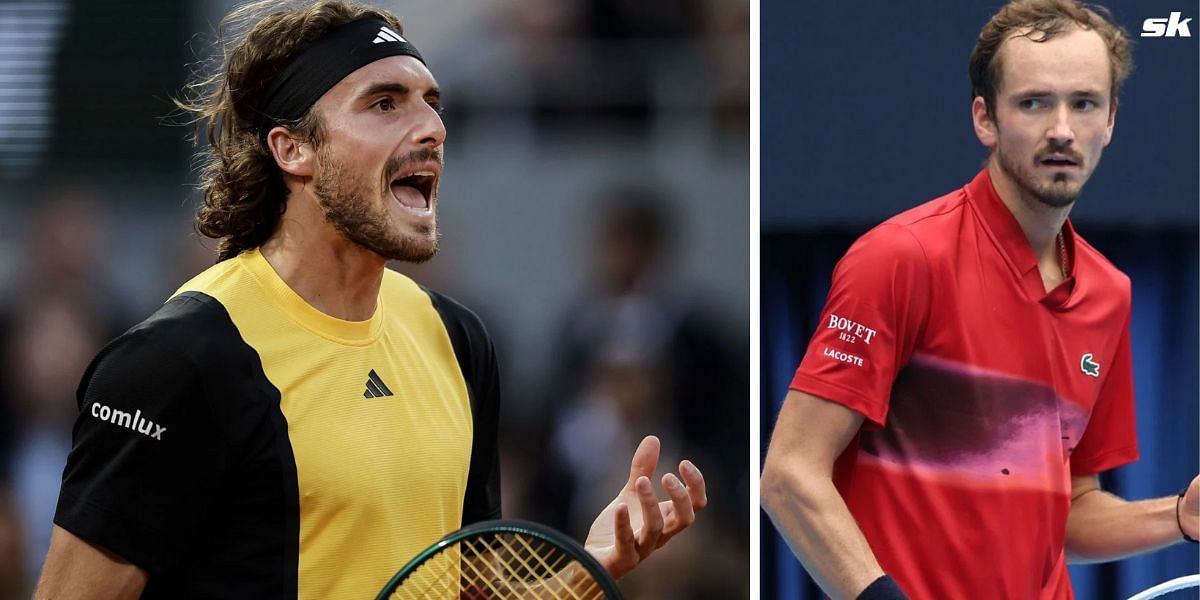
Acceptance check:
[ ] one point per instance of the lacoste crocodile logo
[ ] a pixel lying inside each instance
(1089, 366)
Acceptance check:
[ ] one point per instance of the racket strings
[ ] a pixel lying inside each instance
(437, 578)
(522, 555)
(559, 573)
(501, 566)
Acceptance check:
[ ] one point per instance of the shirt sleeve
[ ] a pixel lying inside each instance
(875, 311)
(146, 453)
(477, 360)
(1110, 439)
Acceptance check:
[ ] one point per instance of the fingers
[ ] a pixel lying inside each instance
(695, 484)
(645, 459)
(624, 555)
(652, 517)
(659, 521)
(626, 541)
(680, 513)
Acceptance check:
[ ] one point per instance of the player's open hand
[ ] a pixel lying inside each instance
(636, 523)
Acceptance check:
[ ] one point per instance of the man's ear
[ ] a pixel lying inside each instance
(1112, 122)
(985, 126)
(294, 156)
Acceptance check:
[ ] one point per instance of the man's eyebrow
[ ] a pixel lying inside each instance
(398, 89)
(385, 88)
(1043, 93)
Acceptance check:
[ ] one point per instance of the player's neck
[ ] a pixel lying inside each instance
(1041, 223)
(331, 273)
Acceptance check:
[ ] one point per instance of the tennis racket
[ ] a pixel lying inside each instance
(501, 560)
(1179, 583)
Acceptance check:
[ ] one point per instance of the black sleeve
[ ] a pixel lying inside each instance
(146, 453)
(477, 360)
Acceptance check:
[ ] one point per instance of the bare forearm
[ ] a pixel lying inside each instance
(68, 581)
(818, 527)
(1103, 527)
(77, 569)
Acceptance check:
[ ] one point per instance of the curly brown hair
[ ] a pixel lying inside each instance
(1041, 21)
(244, 193)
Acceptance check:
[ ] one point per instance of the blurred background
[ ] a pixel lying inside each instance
(869, 102)
(595, 211)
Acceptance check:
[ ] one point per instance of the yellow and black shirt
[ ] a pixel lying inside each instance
(241, 444)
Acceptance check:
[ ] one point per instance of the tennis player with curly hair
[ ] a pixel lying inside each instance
(298, 421)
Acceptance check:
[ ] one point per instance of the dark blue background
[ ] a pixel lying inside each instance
(866, 112)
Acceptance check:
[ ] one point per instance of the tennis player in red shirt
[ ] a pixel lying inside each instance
(971, 373)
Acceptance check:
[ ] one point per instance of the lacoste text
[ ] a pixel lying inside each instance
(1168, 27)
(842, 356)
(129, 421)
(851, 331)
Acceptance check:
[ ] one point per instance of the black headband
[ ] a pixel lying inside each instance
(322, 65)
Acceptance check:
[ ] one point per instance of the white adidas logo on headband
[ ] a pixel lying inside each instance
(387, 35)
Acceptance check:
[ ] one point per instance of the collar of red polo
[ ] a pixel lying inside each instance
(1010, 238)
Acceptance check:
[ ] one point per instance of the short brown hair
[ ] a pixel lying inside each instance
(244, 193)
(1040, 21)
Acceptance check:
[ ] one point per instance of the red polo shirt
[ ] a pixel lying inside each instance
(982, 394)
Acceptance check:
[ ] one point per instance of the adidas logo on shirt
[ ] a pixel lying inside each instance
(132, 421)
(375, 386)
(387, 35)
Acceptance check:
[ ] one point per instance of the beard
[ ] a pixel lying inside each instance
(346, 201)
(1059, 192)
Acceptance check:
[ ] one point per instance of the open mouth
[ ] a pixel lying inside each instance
(1059, 160)
(415, 190)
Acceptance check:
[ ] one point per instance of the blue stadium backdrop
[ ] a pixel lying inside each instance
(865, 112)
